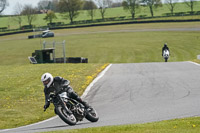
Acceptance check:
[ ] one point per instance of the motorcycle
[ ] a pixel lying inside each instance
(70, 110)
(166, 55)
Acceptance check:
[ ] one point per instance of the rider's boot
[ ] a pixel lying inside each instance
(76, 97)
(55, 111)
(83, 102)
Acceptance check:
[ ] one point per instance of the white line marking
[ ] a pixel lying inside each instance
(94, 81)
(3, 130)
(84, 95)
(194, 63)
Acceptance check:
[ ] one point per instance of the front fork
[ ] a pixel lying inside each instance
(65, 107)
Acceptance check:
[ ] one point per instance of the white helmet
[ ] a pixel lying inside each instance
(47, 79)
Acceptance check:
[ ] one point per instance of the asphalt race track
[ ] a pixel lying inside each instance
(137, 93)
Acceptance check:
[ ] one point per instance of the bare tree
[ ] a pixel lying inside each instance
(54, 5)
(103, 5)
(17, 14)
(43, 5)
(116, 4)
(30, 13)
(71, 7)
(46, 5)
(171, 5)
(91, 7)
(131, 6)
(152, 4)
(3, 4)
(190, 3)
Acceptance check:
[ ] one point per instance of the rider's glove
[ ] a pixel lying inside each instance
(46, 106)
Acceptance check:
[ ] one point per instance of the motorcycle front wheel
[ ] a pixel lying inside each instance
(65, 116)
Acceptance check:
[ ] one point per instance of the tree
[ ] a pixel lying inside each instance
(17, 17)
(88, 4)
(90, 7)
(71, 7)
(131, 5)
(30, 13)
(54, 5)
(3, 4)
(171, 5)
(152, 4)
(44, 5)
(190, 3)
(103, 5)
(116, 4)
(50, 16)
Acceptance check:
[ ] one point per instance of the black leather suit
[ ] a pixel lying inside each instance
(60, 85)
(165, 47)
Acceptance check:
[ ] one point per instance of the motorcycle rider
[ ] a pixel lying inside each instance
(164, 48)
(59, 85)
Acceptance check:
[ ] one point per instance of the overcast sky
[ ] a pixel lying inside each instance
(12, 3)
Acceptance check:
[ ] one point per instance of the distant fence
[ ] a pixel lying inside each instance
(3, 29)
(182, 13)
(55, 24)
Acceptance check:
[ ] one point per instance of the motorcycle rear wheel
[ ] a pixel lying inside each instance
(92, 116)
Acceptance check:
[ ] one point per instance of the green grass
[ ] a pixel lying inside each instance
(21, 92)
(186, 125)
(197, 61)
(110, 47)
(110, 12)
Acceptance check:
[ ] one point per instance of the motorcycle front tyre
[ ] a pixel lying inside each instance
(69, 119)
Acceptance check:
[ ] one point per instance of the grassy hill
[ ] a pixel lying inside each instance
(111, 12)
(110, 44)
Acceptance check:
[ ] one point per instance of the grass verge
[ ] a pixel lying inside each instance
(185, 125)
(21, 92)
(197, 61)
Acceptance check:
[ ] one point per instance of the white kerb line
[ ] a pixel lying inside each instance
(95, 80)
(194, 63)
(4, 130)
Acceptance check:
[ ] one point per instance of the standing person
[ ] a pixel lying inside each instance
(59, 85)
